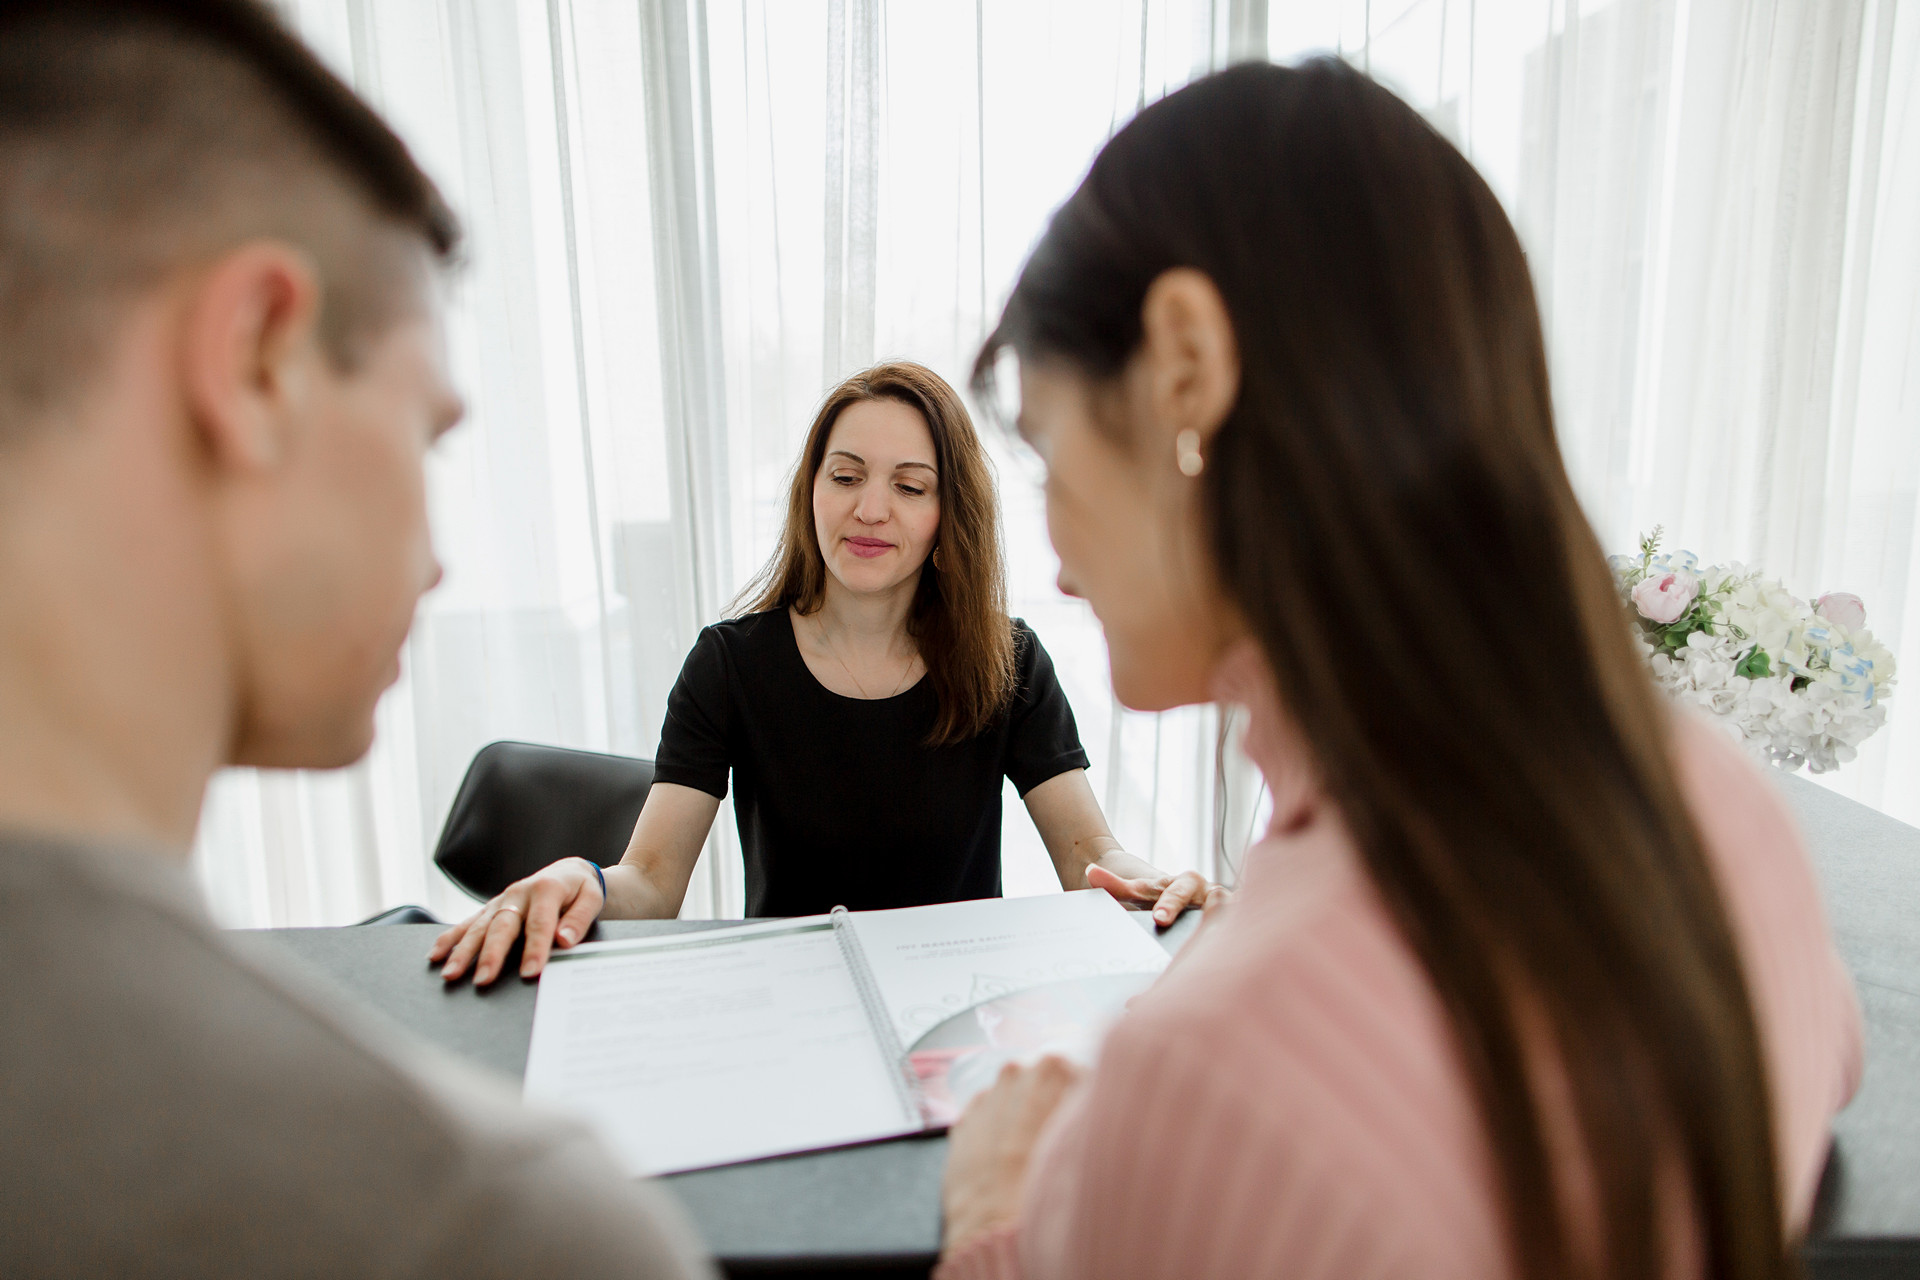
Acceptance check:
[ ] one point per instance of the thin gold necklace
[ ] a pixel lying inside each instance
(834, 651)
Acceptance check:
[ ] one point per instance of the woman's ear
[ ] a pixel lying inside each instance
(1188, 367)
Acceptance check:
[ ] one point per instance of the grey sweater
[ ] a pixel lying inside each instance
(170, 1108)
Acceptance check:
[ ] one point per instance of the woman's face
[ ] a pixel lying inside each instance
(876, 497)
(1126, 522)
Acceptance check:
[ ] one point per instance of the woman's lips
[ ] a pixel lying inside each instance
(868, 548)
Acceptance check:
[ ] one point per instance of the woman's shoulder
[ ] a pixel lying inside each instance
(1712, 767)
(735, 649)
(1030, 657)
(750, 628)
(748, 636)
(1801, 991)
(1751, 836)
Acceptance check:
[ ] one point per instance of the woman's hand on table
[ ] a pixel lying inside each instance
(1166, 895)
(990, 1148)
(554, 906)
(1084, 851)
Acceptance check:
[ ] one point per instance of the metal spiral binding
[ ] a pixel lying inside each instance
(905, 1082)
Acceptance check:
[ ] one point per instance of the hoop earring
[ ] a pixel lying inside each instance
(1186, 453)
(938, 567)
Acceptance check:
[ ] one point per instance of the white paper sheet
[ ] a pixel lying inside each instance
(932, 962)
(701, 1049)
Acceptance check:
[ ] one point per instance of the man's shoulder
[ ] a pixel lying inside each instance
(181, 1098)
(130, 974)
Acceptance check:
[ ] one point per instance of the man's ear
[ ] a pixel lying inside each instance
(1189, 359)
(250, 343)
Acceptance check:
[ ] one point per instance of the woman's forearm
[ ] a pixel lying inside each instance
(651, 880)
(633, 895)
(1071, 825)
(1078, 839)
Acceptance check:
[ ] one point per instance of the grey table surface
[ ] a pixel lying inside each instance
(880, 1204)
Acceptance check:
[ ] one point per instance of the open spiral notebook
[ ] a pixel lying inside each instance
(690, 1050)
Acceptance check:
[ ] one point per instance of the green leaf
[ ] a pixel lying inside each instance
(1755, 665)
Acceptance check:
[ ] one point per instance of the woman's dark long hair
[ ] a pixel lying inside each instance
(959, 614)
(1475, 706)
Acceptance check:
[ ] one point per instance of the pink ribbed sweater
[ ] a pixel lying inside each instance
(1286, 1101)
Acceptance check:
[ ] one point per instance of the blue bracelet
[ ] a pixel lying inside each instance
(598, 875)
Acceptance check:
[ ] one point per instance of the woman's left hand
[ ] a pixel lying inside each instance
(1168, 895)
(989, 1149)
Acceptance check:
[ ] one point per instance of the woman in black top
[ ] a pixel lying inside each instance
(867, 708)
(839, 799)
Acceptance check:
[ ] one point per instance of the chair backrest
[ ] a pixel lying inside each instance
(522, 806)
(408, 914)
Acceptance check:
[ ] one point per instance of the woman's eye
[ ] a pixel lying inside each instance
(910, 491)
(845, 479)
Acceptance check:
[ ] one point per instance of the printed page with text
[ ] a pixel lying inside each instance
(689, 1050)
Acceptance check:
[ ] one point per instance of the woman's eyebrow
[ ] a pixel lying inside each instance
(898, 466)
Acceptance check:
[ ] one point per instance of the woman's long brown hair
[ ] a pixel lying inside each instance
(959, 615)
(1390, 511)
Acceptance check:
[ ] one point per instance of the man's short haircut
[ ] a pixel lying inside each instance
(138, 137)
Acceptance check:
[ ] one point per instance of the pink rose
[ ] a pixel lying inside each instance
(1665, 598)
(1843, 608)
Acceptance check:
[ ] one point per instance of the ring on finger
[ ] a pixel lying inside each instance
(507, 906)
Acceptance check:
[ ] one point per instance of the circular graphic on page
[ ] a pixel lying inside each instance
(963, 1055)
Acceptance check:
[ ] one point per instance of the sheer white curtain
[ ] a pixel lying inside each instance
(688, 218)
(1720, 200)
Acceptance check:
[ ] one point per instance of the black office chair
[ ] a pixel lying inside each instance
(404, 915)
(522, 806)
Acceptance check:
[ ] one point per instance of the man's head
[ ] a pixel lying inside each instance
(217, 299)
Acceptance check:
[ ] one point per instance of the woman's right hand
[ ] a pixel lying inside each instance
(554, 906)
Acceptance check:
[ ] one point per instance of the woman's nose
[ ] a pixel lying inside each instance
(873, 507)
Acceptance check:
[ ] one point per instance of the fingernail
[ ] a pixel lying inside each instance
(566, 936)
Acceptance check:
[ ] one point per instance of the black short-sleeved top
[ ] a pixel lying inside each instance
(839, 800)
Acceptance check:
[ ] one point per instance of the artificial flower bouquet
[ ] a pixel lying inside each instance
(1800, 683)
